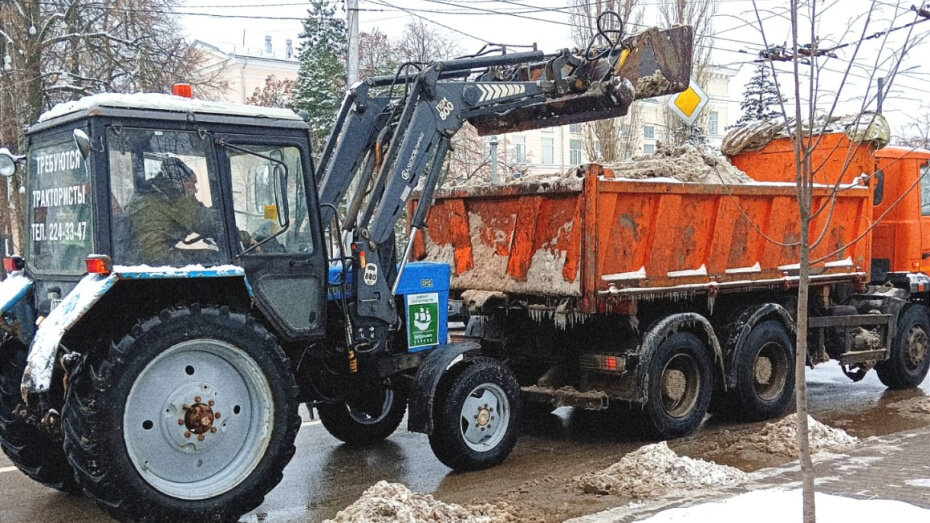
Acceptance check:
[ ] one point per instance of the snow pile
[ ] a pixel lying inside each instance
(684, 163)
(655, 470)
(776, 506)
(781, 437)
(393, 503)
(913, 407)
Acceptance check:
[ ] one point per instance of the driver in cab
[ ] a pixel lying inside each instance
(167, 212)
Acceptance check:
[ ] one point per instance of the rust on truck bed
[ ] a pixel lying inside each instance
(604, 240)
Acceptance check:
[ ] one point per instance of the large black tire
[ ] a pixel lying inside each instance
(476, 415)
(680, 382)
(367, 419)
(31, 449)
(907, 365)
(191, 416)
(764, 373)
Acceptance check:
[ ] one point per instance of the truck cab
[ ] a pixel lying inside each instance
(901, 241)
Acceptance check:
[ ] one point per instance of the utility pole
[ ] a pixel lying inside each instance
(352, 19)
(493, 142)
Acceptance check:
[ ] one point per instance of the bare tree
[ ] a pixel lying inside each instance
(59, 50)
(602, 138)
(811, 109)
(422, 42)
(277, 92)
(699, 15)
(376, 54)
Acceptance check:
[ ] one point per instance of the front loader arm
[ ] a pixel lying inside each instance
(391, 143)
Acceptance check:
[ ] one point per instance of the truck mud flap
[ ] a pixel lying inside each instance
(426, 381)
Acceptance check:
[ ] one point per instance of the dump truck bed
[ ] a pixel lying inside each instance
(604, 240)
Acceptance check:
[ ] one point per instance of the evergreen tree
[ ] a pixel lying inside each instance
(321, 79)
(760, 99)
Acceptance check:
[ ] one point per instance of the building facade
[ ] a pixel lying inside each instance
(244, 69)
(557, 149)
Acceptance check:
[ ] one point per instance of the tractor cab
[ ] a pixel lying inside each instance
(169, 185)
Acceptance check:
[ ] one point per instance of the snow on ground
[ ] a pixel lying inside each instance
(783, 506)
(780, 437)
(655, 470)
(394, 503)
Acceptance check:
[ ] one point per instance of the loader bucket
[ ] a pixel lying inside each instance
(655, 62)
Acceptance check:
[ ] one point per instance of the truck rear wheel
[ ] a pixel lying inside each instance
(476, 413)
(371, 417)
(764, 372)
(679, 386)
(907, 365)
(31, 449)
(190, 416)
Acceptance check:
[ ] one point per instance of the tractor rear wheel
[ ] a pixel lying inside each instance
(192, 415)
(35, 452)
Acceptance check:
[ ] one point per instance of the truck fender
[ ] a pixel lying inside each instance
(743, 325)
(431, 371)
(665, 327)
(43, 351)
(17, 316)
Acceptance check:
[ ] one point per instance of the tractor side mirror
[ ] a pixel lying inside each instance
(879, 193)
(83, 142)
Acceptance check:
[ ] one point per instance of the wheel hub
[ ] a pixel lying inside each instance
(762, 370)
(916, 347)
(483, 417)
(198, 419)
(674, 384)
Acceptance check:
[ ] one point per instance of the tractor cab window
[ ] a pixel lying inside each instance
(268, 200)
(163, 198)
(60, 228)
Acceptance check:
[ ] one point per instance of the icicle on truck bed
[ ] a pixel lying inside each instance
(598, 237)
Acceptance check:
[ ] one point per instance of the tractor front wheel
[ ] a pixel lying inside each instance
(192, 415)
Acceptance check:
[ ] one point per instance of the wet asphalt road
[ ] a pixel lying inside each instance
(325, 476)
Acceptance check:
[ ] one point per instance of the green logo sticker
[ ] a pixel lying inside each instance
(422, 320)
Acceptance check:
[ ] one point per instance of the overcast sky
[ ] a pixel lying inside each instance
(546, 22)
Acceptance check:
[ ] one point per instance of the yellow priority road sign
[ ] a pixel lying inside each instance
(688, 103)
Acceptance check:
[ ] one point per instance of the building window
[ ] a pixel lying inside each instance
(519, 149)
(574, 152)
(712, 122)
(547, 153)
(574, 128)
(625, 129)
(648, 148)
(649, 132)
(597, 150)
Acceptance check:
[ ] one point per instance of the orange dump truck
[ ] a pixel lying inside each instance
(598, 290)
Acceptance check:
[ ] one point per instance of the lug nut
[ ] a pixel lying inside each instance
(196, 399)
(185, 406)
(211, 403)
(212, 429)
(180, 421)
(217, 415)
(200, 437)
(187, 434)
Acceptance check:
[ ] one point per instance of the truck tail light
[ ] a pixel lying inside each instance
(99, 264)
(13, 263)
(915, 265)
(182, 90)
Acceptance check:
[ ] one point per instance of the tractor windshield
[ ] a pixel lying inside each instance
(164, 198)
(59, 206)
